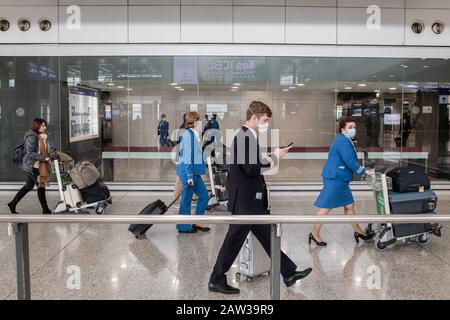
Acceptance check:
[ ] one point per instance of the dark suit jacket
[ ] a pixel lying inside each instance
(247, 193)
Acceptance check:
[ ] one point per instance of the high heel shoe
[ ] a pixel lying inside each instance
(364, 237)
(319, 243)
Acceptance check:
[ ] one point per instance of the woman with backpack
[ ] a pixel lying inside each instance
(35, 163)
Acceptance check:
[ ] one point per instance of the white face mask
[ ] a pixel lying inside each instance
(263, 127)
(351, 133)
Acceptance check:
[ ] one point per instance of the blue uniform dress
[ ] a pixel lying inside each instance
(337, 173)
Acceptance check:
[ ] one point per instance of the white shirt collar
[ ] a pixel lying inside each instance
(253, 131)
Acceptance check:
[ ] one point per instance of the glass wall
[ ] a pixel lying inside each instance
(107, 109)
(29, 88)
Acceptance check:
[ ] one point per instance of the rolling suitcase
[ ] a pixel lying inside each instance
(157, 207)
(97, 192)
(409, 179)
(253, 259)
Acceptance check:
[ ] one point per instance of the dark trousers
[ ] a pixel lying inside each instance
(232, 244)
(29, 185)
(405, 136)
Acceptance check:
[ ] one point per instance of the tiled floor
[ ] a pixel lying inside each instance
(166, 265)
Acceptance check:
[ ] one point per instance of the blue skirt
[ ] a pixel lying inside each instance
(335, 194)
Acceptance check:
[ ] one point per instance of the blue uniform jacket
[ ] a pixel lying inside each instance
(342, 160)
(191, 161)
(163, 129)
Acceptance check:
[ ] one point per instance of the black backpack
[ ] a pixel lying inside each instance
(19, 153)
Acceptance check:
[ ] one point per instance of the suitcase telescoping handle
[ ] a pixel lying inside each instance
(175, 200)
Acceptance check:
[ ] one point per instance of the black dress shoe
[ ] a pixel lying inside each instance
(189, 231)
(297, 275)
(222, 288)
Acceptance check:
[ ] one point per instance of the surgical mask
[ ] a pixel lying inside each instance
(263, 127)
(351, 133)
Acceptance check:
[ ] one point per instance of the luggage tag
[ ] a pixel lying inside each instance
(421, 189)
(258, 196)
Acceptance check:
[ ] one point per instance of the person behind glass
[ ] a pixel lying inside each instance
(405, 128)
(190, 167)
(210, 136)
(337, 173)
(35, 164)
(163, 131)
(248, 196)
(206, 125)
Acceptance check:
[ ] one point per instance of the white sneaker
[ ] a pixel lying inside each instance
(176, 206)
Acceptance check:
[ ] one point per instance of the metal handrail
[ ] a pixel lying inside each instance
(22, 244)
(226, 219)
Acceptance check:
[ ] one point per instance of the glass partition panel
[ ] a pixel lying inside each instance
(107, 109)
(29, 89)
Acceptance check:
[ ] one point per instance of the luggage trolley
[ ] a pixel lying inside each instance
(385, 233)
(218, 180)
(70, 195)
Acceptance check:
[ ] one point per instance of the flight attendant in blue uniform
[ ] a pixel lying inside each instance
(342, 162)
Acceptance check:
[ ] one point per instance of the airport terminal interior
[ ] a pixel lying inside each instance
(103, 89)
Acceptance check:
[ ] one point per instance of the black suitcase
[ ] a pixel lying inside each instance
(155, 208)
(97, 192)
(409, 179)
(411, 229)
(412, 203)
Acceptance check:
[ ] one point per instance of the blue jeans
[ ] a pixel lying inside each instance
(186, 199)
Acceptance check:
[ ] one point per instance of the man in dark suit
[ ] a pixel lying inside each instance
(248, 195)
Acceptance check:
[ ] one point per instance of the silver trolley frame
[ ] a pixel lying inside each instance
(62, 205)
